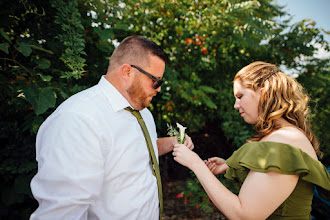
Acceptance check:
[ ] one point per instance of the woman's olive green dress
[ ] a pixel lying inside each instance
(285, 159)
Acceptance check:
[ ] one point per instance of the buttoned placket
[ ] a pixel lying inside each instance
(152, 157)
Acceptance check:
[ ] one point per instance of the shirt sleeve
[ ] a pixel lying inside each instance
(150, 123)
(70, 167)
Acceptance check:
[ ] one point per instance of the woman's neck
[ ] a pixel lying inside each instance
(281, 122)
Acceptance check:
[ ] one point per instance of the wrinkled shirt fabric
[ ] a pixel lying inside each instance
(93, 161)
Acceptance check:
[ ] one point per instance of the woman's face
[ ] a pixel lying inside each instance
(246, 102)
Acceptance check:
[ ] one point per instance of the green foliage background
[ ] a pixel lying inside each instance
(50, 50)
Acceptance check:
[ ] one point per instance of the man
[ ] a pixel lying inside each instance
(93, 160)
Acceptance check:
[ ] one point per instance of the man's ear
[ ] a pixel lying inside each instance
(125, 71)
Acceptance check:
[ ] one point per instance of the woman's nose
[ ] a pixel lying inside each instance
(236, 105)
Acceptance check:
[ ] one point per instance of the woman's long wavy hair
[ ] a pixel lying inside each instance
(281, 97)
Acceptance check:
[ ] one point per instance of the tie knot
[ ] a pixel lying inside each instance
(136, 113)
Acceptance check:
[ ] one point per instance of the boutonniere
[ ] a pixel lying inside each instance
(180, 135)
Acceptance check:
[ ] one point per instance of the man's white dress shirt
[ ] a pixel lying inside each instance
(93, 161)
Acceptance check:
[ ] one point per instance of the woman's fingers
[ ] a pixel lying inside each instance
(211, 165)
(188, 142)
(213, 159)
(178, 148)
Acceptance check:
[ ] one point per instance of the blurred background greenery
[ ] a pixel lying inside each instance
(50, 50)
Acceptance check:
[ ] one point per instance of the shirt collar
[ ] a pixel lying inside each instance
(115, 98)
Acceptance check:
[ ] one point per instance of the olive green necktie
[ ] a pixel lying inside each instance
(152, 156)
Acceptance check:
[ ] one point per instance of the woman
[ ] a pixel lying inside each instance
(278, 167)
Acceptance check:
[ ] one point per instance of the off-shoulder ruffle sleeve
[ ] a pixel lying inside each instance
(279, 157)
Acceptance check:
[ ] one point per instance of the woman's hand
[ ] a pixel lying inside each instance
(188, 142)
(216, 165)
(186, 157)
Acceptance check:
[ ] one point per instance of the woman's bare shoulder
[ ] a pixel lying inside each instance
(294, 137)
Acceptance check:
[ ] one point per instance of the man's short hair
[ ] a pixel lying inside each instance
(136, 50)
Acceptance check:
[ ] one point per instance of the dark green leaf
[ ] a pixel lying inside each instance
(208, 89)
(209, 103)
(41, 99)
(5, 35)
(122, 26)
(43, 63)
(4, 47)
(46, 78)
(24, 48)
(36, 124)
(64, 95)
(42, 49)
(104, 34)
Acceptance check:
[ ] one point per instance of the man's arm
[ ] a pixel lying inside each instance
(166, 144)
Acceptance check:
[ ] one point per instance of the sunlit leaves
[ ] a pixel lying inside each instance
(69, 19)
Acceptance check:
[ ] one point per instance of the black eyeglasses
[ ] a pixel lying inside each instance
(157, 81)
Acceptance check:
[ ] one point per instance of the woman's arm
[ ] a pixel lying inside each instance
(260, 195)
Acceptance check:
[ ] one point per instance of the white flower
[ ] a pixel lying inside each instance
(182, 132)
(179, 135)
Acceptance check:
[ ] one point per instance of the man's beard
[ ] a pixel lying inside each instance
(138, 95)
